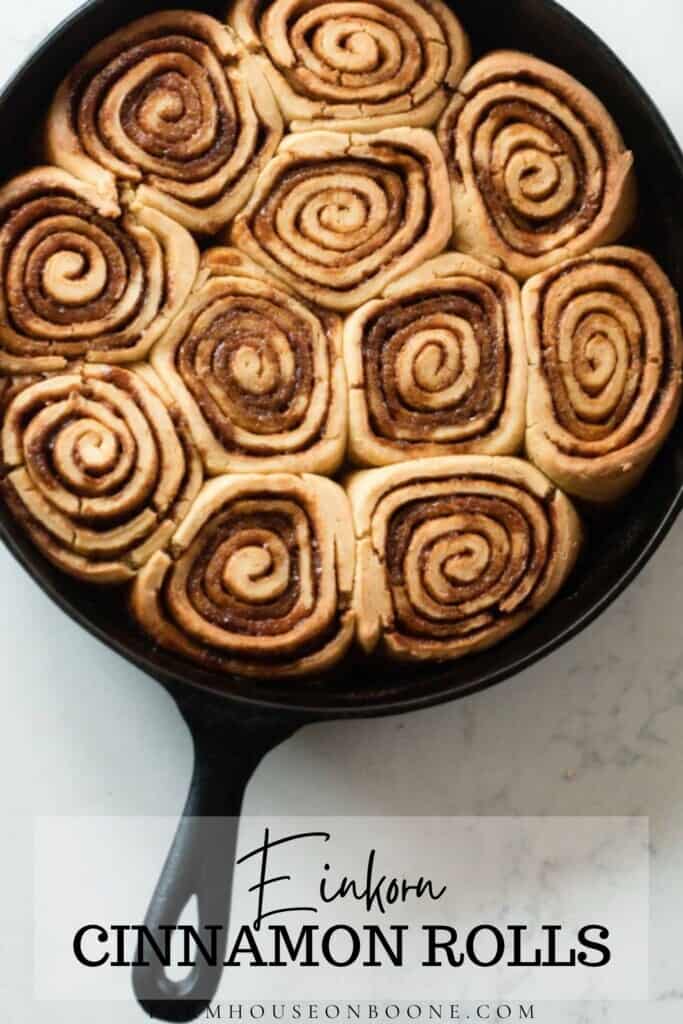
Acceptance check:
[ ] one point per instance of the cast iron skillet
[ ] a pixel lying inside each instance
(233, 722)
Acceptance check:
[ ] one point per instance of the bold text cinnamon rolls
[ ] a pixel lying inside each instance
(355, 65)
(97, 470)
(77, 285)
(438, 365)
(606, 354)
(172, 107)
(258, 578)
(337, 217)
(258, 374)
(456, 553)
(538, 167)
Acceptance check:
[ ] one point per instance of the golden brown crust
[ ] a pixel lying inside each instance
(538, 168)
(97, 470)
(77, 285)
(606, 364)
(442, 370)
(353, 65)
(258, 579)
(11, 385)
(337, 217)
(438, 365)
(258, 373)
(172, 107)
(456, 553)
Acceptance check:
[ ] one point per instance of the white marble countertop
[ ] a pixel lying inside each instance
(597, 729)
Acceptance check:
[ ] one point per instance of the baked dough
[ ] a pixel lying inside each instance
(438, 365)
(75, 284)
(257, 372)
(455, 554)
(99, 470)
(538, 167)
(355, 65)
(606, 355)
(170, 111)
(258, 578)
(337, 217)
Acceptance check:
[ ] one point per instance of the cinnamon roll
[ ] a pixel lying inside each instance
(538, 168)
(606, 359)
(75, 284)
(172, 108)
(97, 470)
(456, 553)
(355, 65)
(337, 217)
(258, 578)
(438, 365)
(258, 374)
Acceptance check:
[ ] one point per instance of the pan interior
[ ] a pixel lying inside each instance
(619, 540)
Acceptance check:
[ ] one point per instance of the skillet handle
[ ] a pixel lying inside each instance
(200, 862)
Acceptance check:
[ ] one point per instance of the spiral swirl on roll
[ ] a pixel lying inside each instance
(337, 217)
(538, 167)
(258, 578)
(437, 366)
(258, 374)
(353, 65)
(606, 355)
(456, 553)
(98, 470)
(75, 284)
(172, 107)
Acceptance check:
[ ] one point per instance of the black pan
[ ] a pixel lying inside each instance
(235, 722)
